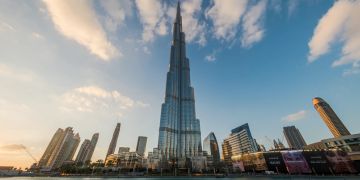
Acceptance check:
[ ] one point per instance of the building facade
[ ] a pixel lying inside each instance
(113, 141)
(330, 118)
(294, 138)
(211, 147)
(80, 158)
(179, 132)
(87, 150)
(141, 145)
(62, 148)
(239, 141)
(123, 149)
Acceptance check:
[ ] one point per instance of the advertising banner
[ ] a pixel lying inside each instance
(275, 162)
(340, 162)
(317, 162)
(295, 162)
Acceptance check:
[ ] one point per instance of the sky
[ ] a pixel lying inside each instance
(89, 64)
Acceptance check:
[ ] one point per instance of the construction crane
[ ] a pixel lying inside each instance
(28, 152)
(270, 142)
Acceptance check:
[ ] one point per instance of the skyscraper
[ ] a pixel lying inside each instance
(294, 138)
(330, 118)
(179, 132)
(62, 148)
(141, 145)
(82, 151)
(93, 143)
(50, 148)
(210, 145)
(87, 149)
(239, 141)
(113, 141)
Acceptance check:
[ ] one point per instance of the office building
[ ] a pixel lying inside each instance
(113, 141)
(80, 158)
(50, 148)
(141, 145)
(61, 148)
(294, 138)
(86, 150)
(179, 132)
(239, 141)
(211, 147)
(123, 149)
(330, 118)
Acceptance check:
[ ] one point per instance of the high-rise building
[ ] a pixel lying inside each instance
(82, 151)
(179, 132)
(50, 148)
(239, 141)
(91, 150)
(123, 150)
(294, 138)
(87, 149)
(141, 145)
(62, 148)
(113, 141)
(330, 118)
(210, 145)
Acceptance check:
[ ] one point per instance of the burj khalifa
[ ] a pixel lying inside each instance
(179, 132)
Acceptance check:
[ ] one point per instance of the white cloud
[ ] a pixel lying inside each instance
(116, 12)
(146, 50)
(17, 74)
(340, 24)
(295, 116)
(210, 58)
(253, 30)
(12, 147)
(37, 35)
(94, 98)
(292, 5)
(275, 5)
(152, 16)
(193, 28)
(6, 26)
(226, 16)
(77, 21)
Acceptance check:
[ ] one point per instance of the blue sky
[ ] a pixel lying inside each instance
(91, 64)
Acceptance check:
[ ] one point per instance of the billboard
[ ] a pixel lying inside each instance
(295, 162)
(317, 162)
(340, 162)
(254, 162)
(275, 162)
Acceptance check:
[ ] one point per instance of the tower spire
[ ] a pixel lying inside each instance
(178, 11)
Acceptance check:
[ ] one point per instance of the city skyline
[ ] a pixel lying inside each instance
(51, 77)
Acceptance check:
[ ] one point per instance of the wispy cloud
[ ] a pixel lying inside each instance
(16, 73)
(77, 20)
(340, 24)
(37, 35)
(295, 116)
(226, 16)
(253, 30)
(6, 26)
(94, 98)
(12, 147)
(292, 6)
(116, 12)
(153, 18)
(193, 28)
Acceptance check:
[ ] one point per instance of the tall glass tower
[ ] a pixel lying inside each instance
(179, 132)
(330, 118)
